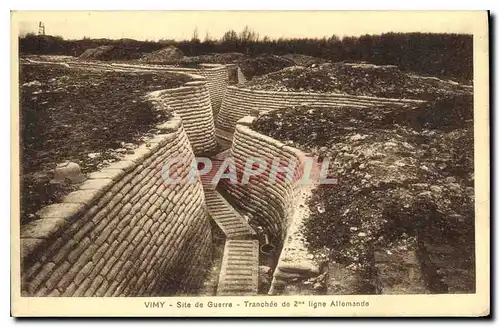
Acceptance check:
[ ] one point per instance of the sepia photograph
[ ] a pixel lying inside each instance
(257, 163)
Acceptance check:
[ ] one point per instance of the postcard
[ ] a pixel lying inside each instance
(250, 163)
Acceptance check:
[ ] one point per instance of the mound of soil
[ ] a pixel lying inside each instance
(130, 51)
(89, 117)
(303, 60)
(163, 55)
(263, 64)
(250, 67)
(401, 180)
(218, 58)
(97, 53)
(357, 79)
(194, 61)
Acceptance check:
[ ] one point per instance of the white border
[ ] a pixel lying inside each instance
(194, 4)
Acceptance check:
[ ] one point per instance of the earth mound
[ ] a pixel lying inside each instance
(264, 64)
(405, 181)
(218, 58)
(98, 53)
(357, 79)
(126, 51)
(304, 60)
(166, 54)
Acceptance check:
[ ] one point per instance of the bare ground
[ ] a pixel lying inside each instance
(405, 189)
(89, 117)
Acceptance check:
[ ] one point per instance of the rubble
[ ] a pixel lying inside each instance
(263, 64)
(304, 60)
(367, 80)
(166, 54)
(402, 172)
(218, 58)
(194, 61)
(97, 53)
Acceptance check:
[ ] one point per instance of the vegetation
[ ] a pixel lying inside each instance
(443, 55)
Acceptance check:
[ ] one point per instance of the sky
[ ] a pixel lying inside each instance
(179, 25)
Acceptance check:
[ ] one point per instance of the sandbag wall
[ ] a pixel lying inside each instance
(124, 232)
(271, 203)
(192, 103)
(280, 207)
(217, 78)
(239, 102)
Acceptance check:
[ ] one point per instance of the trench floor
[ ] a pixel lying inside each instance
(240, 268)
(226, 217)
(239, 265)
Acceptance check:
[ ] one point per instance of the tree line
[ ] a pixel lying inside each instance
(443, 55)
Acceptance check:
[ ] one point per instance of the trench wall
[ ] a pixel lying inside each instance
(232, 70)
(217, 77)
(241, 77)
(279, 207)
(192, 103)
(123, 232)
(236, 76)
(271, 203)
(239, 102)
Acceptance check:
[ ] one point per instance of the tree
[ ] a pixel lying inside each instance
(333, 39)
(195, 35)
(247, 35)
(230, 36)
(207, 37)
(166, 42)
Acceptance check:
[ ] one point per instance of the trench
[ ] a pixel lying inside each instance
(420, 265)
(244, 253)
(265, 236)
(141, 251)
(247, 249)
